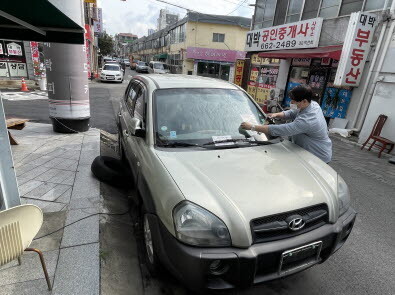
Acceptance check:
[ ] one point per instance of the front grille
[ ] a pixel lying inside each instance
(275, 227)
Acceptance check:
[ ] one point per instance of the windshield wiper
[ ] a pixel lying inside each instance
(177, 144)
(235, 141)
(226, 141)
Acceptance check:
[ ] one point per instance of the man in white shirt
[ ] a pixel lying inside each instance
(308, 127)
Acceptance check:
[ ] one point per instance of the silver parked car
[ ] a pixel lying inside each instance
(220, 206)
(141, 67)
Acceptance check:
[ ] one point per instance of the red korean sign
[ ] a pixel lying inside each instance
(355, 49)
(239, 68)
(302, 34)
(35, 58)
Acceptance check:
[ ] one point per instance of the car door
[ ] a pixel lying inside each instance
(125, 111)
(138, 141)
(134, 102)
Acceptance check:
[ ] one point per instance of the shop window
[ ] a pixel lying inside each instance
(293, 12)
(310, 9)
(375, 4)
(349, 6)
(213, 70)
(329, 8)
(217, 37)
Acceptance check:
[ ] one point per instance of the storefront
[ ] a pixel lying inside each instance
(12, 60)
(214, 63)
(319, 74)
(262, 77)
(288, 55)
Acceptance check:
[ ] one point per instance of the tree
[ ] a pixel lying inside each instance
(106, 44)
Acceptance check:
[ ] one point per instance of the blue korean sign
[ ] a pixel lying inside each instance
(342, 96)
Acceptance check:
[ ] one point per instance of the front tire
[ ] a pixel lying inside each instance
(150, 257)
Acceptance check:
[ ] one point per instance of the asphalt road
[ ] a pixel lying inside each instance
(100, 94)
(364, 265)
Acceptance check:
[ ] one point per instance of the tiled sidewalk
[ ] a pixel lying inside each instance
(53, 172)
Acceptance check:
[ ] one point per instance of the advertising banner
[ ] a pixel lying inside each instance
(98, 25)
(355, 49)
(239, 72)
(88, 39)
(14, 49)
(35, 58)
(214, 54)
(302, 34)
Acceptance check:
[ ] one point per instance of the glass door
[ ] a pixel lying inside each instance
(224, 72)
(317, 81)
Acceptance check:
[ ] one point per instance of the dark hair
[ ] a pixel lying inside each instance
(300, 93)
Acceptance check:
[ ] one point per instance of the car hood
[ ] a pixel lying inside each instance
(241, 184)
(106, 72)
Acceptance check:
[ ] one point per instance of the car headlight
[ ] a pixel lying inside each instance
(118, 75)
(197, 226)
(343, 194)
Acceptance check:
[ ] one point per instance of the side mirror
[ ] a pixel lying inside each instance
(100, 69)
(136, 128)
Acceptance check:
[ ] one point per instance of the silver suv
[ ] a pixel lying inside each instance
(220, 206)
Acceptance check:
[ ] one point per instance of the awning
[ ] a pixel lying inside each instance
(328, 51)
(163, 55)
(37, 20)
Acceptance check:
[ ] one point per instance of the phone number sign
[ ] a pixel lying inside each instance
(302, 34)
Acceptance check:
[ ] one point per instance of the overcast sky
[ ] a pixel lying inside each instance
(137, 16)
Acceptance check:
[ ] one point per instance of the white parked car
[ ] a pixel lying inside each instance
(111, 72)
(157, 67)
(223, 207)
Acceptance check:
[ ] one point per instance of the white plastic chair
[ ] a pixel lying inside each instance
(18, 227)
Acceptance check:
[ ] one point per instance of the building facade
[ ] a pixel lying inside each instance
(122, 43)
(293, 42)
(165, 19)
(92, 16)
(199, 44)
(16, 60)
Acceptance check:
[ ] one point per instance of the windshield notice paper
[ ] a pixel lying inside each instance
(218, 140)
(302, 34)
(356, 48)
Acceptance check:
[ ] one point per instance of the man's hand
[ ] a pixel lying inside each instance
(246, 125)
(276, 115)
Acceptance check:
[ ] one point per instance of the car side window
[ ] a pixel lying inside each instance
(139, 108)
(131, 97)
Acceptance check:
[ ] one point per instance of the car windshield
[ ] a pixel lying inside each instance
(142, 63)
(111, 68)
(160, 66)
(201, 116)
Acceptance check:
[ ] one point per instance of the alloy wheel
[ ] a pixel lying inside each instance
(148, 240)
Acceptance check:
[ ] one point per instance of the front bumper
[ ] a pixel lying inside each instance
(106, 78)
(245, 267)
